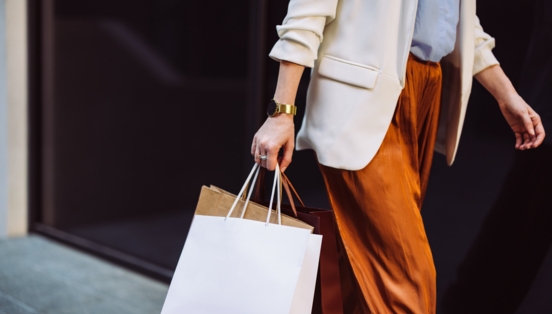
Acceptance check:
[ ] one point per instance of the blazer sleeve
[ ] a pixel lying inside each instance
(484, 43)
(302, 31)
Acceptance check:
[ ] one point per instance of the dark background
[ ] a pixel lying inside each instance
(138, 103)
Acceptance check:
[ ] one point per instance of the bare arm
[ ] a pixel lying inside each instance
(288, 82)
(523, 120)
(279, 131)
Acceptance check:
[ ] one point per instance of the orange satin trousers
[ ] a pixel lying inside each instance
(386, 263)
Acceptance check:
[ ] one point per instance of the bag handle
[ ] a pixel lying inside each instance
(288, 188)
(277, 182)
(251, 182)
(255, 171)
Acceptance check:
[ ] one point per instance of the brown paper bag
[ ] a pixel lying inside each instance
(214, 201)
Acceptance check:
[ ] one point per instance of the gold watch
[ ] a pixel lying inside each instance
(274, 109)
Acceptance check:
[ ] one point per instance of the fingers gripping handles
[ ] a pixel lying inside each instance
(250, 183)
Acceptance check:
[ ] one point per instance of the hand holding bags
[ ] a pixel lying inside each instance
(241, 263)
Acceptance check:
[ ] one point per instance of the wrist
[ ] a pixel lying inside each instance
(507, 97)
(283, 117)
(282, 99)
(276, 108)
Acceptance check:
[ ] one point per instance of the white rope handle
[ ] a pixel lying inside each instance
(251, 188)
(254, 170)
(279, 199)
(251, 184)
(278, 173)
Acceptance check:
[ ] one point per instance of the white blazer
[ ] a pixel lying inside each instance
(358, 50)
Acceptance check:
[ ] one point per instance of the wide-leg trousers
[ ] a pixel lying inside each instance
(386, 263)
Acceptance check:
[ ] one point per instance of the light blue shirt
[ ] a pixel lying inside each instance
(435, 29)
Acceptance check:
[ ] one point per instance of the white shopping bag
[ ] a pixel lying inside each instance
(236, 265)
(306, 285)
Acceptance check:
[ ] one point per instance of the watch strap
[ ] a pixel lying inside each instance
(285, 108)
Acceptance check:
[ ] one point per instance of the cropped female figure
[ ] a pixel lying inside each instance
(390, 83)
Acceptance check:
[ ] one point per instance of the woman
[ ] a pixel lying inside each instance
(390, 83)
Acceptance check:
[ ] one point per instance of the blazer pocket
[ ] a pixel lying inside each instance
(348, 72)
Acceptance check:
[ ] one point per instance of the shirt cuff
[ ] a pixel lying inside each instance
(484, 58)
(298, 46)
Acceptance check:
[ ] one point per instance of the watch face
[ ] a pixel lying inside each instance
(271, 108)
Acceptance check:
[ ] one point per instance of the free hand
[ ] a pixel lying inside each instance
(524, 121)
(276, 132)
